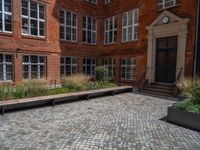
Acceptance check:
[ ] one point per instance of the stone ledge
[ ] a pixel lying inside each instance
(60, 98)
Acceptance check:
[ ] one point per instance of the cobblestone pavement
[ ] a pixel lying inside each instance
(125, 121)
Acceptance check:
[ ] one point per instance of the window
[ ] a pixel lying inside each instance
(130, 25)
(162, 4)
(109, 63)
(33, 18)
(6, 67)
(89, 30)
(6, 16)
(68, 26)
(108, 1)
(92, 1)
(110, 30)
(89, 65)
(128, 68)
(34, 67)
(68, 66)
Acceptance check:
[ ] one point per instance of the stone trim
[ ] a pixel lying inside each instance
(176, 27)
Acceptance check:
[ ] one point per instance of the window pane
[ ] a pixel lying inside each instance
(34, 27)
(8, 22)
(33, 9)
(25, 26)
(1, 27)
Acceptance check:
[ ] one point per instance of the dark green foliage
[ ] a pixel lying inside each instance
(101, 73)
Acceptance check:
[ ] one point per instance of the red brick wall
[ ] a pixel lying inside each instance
(53, 48)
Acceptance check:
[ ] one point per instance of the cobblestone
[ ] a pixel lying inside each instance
(122, 122)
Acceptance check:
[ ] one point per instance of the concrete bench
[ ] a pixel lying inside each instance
(60, 98)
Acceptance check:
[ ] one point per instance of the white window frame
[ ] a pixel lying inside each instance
(30, 18)
(106, 63)
(91, 66)
(127, 66)
(92, 1)
(5, 63)
(3, 13)
(134, 24)
(64, 64)
(108, 1)
(29, 64)
(108, 30)
(64, 25)
(91, 30)
(162, 4)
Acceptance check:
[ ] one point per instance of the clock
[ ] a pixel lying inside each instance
(165, 19)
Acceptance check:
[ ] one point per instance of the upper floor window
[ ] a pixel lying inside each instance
(130, 25)
(6, 16)
(33, 18)
(6, 67)
(68, 66)
(128, 68)
(89, 30)
(92, 1)
(89, 65)
(162, 4)
(68, 26)
(110, 30)
(108, 1)
(34, 67)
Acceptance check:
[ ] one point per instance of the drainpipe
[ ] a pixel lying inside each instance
(197, 45)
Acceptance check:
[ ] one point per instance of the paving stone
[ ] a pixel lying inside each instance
(126, 121)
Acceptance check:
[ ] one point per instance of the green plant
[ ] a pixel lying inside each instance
(101, 73)
(190, 88)
(76, 82)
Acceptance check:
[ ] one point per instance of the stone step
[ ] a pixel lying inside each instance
(158, 90)
(156, 93)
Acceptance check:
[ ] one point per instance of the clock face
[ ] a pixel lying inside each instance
(165, 19)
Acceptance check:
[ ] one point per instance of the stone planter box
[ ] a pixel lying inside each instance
(183, 118)
(11, 105)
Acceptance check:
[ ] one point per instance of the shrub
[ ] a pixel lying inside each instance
(76, 82)
(101, 73)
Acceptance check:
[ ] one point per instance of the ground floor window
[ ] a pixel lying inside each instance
(128, 68)
(6, 67)
(34, 67)
(68, 66)
(89, 65)
(109, 63)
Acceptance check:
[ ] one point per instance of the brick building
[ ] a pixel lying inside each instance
(50, 39)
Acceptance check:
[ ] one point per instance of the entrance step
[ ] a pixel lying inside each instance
(160, 89)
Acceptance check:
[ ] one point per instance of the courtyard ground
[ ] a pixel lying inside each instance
(125, 121)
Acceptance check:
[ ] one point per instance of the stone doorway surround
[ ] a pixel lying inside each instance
(166, 25)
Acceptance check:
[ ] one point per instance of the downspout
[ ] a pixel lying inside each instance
(197, 36)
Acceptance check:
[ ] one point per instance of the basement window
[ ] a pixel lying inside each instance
(6, 16)
(163, 4)
(33, 18)
(128, 68)
(68, 66)
(6, 67)
(108, 1)
(89, 65)
(92, 1)
(34, 67)
(130, 25)
(89, 30)
(110, 30)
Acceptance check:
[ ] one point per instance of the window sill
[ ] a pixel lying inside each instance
(69, 42)
(127, 81)
(88, 44)
(33, 37)
(6, 34)
(163, 9)
(133, 41)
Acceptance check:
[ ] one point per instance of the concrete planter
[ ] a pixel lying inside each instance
(11, 105)
(183, 118)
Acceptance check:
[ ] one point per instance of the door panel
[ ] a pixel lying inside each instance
(166, 59)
